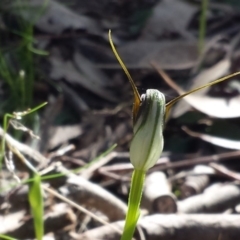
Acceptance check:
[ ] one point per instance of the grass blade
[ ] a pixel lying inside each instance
(36, 202)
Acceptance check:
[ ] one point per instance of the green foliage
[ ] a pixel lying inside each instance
(17, 116)
(202, 27)
(6, 237)
(36, 202)
(35, 192)
(17, 71)
(18, 56)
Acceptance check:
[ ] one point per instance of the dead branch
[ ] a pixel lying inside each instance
(59, 217)
(93, 196)
(216, 198)
(157, 195)
(177, 227)
(33, 154)
(195, 184)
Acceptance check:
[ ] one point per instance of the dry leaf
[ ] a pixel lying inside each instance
(170, 16)
(53, 16)
(202, 78)
(172, 55)
(64, 133)
(216, 107)
(96, 76)
(67, 70)
(218, 141)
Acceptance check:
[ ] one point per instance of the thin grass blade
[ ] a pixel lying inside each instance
(36, 202)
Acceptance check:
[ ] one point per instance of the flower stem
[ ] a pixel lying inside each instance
(133, 204)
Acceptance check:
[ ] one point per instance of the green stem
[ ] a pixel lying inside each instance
(133, 204)
(202, 28)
